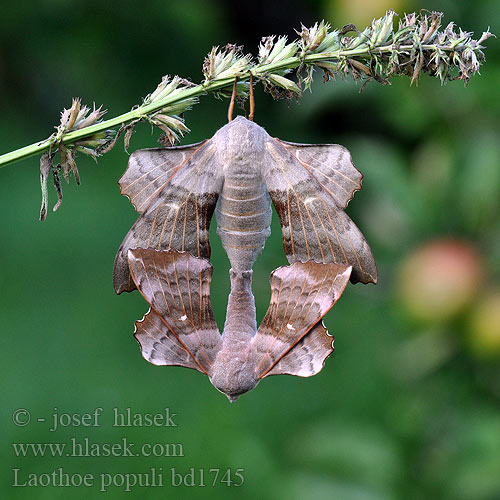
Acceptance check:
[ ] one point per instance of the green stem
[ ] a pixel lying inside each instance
(141, 111)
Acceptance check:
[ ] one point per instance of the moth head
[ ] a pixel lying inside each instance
(233, 372)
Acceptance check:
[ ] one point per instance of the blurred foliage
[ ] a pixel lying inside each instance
(401, 411)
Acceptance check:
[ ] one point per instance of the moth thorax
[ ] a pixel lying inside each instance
(241, 141)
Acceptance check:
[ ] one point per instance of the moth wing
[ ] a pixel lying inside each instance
(150, 169)
(177, 286)
(314, 225)
(301, 294)
(332, 167)
(159, 345)
(178, 214)
(308, 356)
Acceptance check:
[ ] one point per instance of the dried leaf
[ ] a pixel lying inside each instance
(45, 164)
(57, 184)
(126, 139)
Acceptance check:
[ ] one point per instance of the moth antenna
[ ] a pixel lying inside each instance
(231, 104)
(252, 101)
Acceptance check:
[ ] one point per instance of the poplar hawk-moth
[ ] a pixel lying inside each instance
(238, 173)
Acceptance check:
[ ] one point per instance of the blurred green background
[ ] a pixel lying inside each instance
(407, 407)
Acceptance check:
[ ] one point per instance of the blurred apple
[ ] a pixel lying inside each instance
(439, 279)
(483, 334)
(361, 12)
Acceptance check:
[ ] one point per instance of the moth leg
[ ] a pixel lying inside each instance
(231, 104)
(251, 99)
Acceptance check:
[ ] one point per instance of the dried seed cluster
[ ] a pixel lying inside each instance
(77, 117)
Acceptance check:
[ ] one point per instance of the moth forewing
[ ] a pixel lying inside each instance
(331, 165)
(150, 169)
(179, 213)
(314, 225)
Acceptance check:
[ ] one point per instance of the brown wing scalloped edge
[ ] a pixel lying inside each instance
(301, 294)
(177, 286)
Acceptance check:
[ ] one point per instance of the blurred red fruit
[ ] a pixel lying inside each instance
(440, 279)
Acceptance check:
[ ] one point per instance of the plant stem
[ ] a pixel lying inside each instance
(72, 137)
(217, 84)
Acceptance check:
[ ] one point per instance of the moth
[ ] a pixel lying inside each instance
(238, 173)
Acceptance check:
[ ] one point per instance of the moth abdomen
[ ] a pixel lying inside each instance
(243, 219)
